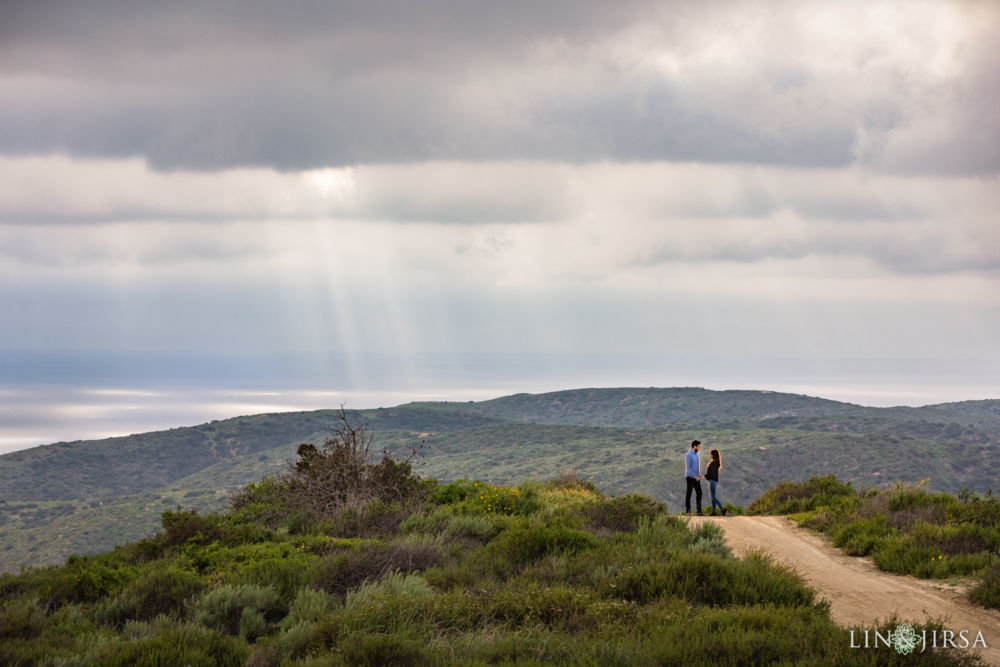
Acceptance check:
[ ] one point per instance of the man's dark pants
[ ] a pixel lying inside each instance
(696, 485)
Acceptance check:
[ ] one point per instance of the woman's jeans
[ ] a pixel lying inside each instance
(715, 501)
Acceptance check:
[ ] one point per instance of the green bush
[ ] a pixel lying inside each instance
(22, 618)
(709, 538)
(83, 579)
(453, 493)
(285, 576)
(340, 572)
(794, 497)
(530, 604)
(142, 551)
(159, 590)
(621, 514)
(526, 542)
(298, 639)
(706, 579)
(987, 592)
(860, 537)
(223, 608)
(175, 645)
(308, 605)
(904, 497)
(182, 526)
(432, 522)
(471, 526)
(365, 649)
(663, 533)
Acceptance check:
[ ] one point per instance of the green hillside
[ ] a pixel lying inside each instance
(85, 497)
(147, 461)
(403, 571)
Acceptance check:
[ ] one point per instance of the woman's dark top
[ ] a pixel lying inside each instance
(713, 471)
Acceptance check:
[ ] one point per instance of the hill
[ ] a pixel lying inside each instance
(84, 497)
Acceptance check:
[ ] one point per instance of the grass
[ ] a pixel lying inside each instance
(904, 529)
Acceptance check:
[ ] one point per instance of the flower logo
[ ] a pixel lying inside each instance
(904, 639)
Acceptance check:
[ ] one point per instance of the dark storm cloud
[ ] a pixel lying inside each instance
(209, 85)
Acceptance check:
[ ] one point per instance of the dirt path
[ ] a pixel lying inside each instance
(858, 591)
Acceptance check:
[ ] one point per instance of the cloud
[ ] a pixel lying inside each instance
(898, 87)
(511, 222)
(58, 189)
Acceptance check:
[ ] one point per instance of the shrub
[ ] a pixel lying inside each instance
(308, 605)
(860, 537)
(340, 474)
(987, 592)
(478, 528)
(393, 584)
(391, 604)
(175, 645)
(662, 533)
(432, 522)
(906, 556)
(521, 544)
(182, 526)
(794, 497)
(533, 604)
(621, 514)
(382, 649)
(21, 618)
(499, 499)
(453, 493)
(709, 538)
(367, 519)
(160, 590)
(142, 551)
(223, 608)
(82, 579)
(568, 479)
(285, 576)
(909, 496)
(339, 573)
(264, 502)
(706, 579)
(298, 639)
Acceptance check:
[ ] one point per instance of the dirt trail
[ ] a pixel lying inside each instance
(857, 590)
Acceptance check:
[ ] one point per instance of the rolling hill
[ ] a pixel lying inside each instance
(87, 496)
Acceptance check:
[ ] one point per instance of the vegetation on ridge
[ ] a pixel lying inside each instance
(392, 569)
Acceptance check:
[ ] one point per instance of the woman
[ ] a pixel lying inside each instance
(712, 475)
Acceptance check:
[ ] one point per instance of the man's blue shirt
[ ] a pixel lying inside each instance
(692, 464)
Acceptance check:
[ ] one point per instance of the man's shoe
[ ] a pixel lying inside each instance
(713, 514)
(701, 514)
(723, 511)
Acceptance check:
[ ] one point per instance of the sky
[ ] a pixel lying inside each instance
(215, 208)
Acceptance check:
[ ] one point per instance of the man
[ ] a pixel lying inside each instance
(693, 477)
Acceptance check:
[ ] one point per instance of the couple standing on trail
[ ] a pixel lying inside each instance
(693, 477)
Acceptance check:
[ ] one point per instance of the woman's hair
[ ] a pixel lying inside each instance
(716, 456)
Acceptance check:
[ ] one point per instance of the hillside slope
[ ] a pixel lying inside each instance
(88, 496)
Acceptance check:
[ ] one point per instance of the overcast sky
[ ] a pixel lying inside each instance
(464, 197)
